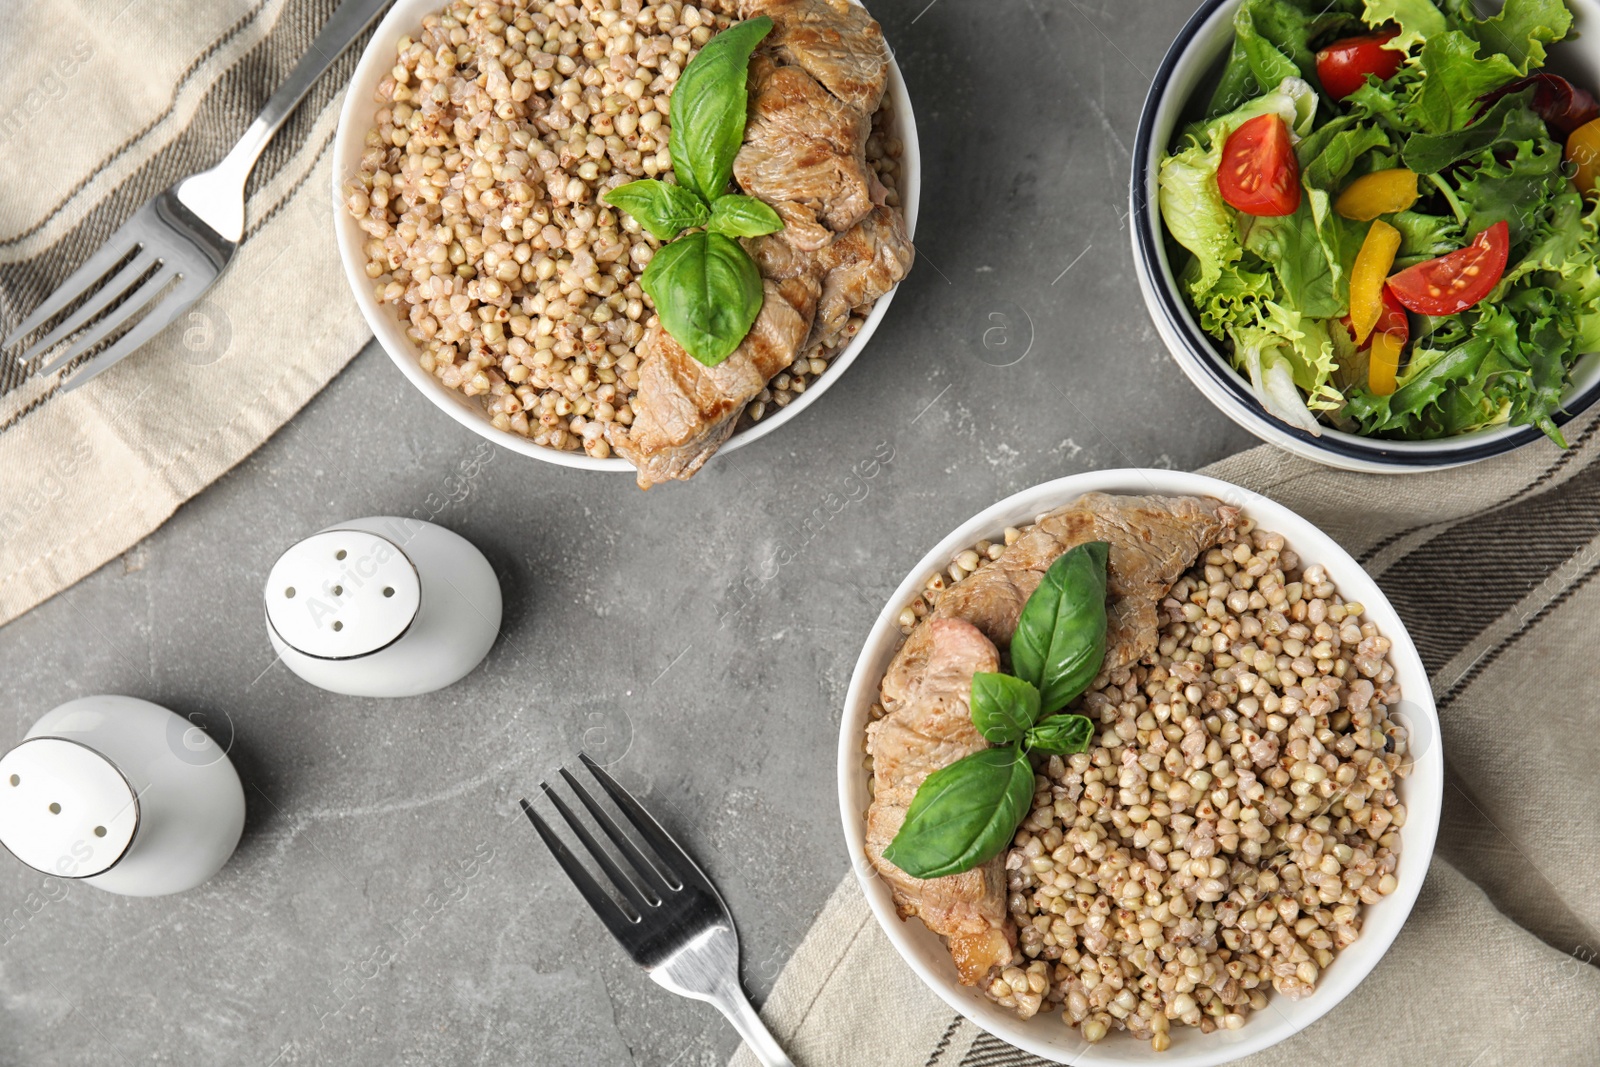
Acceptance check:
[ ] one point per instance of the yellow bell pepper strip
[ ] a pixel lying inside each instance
(1388, 341)
(1383, 363)
(1380, 193)
(1368, 275)
(1583, 151)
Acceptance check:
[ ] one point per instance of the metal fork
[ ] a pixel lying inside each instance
(679, 931)
(174, 247)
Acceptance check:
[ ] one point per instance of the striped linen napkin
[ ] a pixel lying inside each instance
(110, 102)
(1492, 568)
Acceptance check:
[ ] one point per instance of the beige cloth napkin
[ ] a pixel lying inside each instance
(112, 101)
(1492, 567)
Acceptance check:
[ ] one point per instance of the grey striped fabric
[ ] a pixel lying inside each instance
(1493, 568)
(111, 103)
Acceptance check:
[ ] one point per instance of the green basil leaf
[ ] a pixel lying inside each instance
(665, 210)
(707, 291)
(1003, 707)
(742, 216)
(708, 109)
(1061, 735)
(964, 814)
(1060, 640)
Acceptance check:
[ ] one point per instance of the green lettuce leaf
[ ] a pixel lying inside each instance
(1417, 19)
(1196, 215)
(1523, 191)
(1509, 121)
(1454, 77)
(1235, 299)
(1522, 29)
(1425, 236)
(1311, 259)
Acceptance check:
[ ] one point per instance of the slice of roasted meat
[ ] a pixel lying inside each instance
(693, 408)
(931, 727)
(837, 43)
(804, 153)
(1153, 540)
(815, 84)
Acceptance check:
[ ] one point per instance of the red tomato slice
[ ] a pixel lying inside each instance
(1456, 281)
(1563, 106)
(1391, 320)
(1259, 174)
(1343, 66)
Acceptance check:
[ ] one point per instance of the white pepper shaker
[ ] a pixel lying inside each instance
(121, 794)
(382, 607)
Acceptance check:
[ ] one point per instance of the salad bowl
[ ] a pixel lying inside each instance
(1186, 75)
(1046, 1034)
(356, 118)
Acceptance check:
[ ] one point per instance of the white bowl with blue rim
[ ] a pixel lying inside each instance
(1182, 82)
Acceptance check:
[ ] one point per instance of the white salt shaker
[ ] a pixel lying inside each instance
(382, 607)
(121, 794)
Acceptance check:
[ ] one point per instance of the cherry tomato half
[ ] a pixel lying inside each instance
(1259, 174)
(1456, 281)
(1563, 106)
(1343, 66)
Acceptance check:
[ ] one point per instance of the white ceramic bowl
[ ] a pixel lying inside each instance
(356, 118)
(1186, 74)
(1049, 1036)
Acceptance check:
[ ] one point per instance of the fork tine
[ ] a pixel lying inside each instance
(118, 286)
(624, 884)
(674, 860)
(630, 851)
(618, 923)
(116, 248)
(155, 320)
(113, 321)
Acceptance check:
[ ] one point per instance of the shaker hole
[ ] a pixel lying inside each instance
(16, 780)
(99, 831)
(289, 592)
(55, 809)
(339, 554)
(337, 626)
(388, 591)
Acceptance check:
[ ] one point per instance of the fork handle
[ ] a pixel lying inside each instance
(345, 25)
(731, 1002)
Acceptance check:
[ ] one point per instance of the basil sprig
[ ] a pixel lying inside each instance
(964, 814)
(705, 286)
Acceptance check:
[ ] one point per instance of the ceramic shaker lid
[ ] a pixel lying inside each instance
(341, 594)
(64, 808)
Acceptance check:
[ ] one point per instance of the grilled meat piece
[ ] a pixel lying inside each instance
(860, 266)
(1153, 540)
(837, 43)
(804, 153)
(816, 82)
(690, 408)
(931, 727)
(856, 268)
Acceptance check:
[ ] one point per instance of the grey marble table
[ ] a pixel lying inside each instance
(388, 905)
